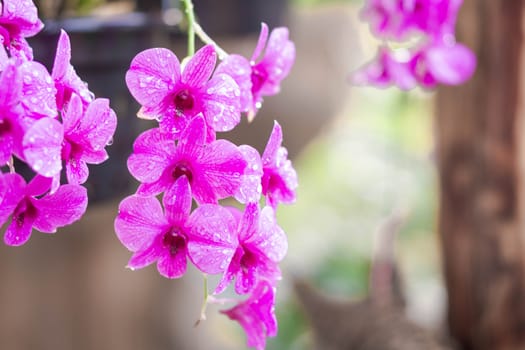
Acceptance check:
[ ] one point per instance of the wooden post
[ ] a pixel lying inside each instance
(480, 145)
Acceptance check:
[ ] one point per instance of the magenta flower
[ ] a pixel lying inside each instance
(213, 169)
(385, 70)
(44, 213)
(256, 315)
(262, 245)
(67, 82)
(444, 63)
(19, 20)
(174, 98)
(279, 180)
(168, 237)
(85, 136)
(263, 78)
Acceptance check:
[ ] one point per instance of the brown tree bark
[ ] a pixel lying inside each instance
(480, 147)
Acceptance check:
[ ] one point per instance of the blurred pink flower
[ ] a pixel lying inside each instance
(445, 63)
(386, 70)
(396, 19)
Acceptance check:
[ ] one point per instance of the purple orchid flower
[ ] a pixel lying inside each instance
(263, 78)
(262, 245)
(67, 82)
(170, 237)
(31, 208)
(279, 180)
(387, 69)
(256, 315)
(85, 136)
(19, 20)
(213, 169)
(174, 98)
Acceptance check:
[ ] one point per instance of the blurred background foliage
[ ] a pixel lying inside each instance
(375, 158)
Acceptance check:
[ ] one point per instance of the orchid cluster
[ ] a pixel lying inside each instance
(50, 122)
(184, 172)
(436, 58)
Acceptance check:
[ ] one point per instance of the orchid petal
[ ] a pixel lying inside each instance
(62, 57)
(19, 230)
(61, 208)
(213, 238)
(172, 266)
(269, 239)
(42, 145)
(261, 42)
(12, 191)
(139, 220)
(152, 75)
(238, 67)
(222, 103)
(151, 155)
(177, 201)
(199, 68)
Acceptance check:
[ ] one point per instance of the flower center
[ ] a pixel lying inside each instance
(180, 170)
(24, 210)
(248, 260)
(174, 241)
(258, 78)
(183, 101)
(5, 126)
(69, 150)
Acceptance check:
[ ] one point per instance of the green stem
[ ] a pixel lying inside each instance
(190, 17)
(206, 39)
(204, 303)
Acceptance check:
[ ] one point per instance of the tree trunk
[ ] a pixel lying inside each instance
(481, 163)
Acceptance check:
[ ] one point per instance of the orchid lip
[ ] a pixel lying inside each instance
(182, 170)
(183, 101)
(5, 126)
(174, 241)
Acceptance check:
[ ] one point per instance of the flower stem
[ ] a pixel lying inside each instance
(190, 17)
(206, 39)
(204, 303)
(195, 28)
